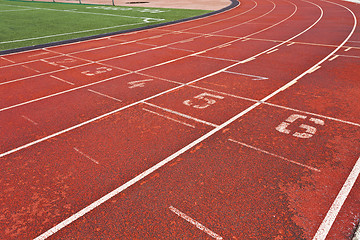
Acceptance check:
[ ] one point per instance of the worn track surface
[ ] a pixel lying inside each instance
(241, 125)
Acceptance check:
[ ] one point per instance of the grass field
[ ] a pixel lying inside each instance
(30, 23)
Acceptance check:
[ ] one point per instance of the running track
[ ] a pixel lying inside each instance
(241, 125)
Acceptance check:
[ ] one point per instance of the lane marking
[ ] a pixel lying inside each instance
(95, 204)
(172, 119)
(274, 155)
(313, 69)
(253, 19)
(274, 50)
(314, 114)
(348, 49)
(33, 122)
(216, 58)
(6, 60)
(349, 56)
(254, 100)
(290, 44)
(17, 10)
(333, 58)
(255, 78)
(141, 101)
(85, 155)
(195, 223)
(104, 95)
(247, 60)
(62, 80)
(30, 68)
(38, 54)
(182, 115)
(338, 203)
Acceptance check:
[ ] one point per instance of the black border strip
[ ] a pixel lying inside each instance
(233, 4)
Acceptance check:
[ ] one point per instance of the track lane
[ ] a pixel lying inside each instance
(205, 224)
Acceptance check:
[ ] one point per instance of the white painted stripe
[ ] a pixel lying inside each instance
(290, 44)
(331, 215)
(313, 69)
(248, 60)
(182, 115)
(274, 50)
(348, 49)
(62, 80)
(275, 155)
(333, 58)
(216, 58)
(314, 114)
(30, 68)
(248, 75)
(33, 122)
(69, 33)
(87, 156)
(7, 60)
(172, 119)
(195, 223)
(104, 95)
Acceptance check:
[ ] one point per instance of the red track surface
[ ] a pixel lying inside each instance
(242, 125)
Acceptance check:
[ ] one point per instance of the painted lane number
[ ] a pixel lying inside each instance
(206, 100)
(309, 130)
(97, 71)
(140, 83)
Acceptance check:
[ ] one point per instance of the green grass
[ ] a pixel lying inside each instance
(30, 23)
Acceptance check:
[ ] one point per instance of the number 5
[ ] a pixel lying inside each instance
(205, 97)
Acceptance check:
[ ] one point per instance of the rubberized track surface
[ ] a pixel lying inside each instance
(241, 125)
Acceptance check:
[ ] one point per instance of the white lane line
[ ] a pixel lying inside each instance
(186, 50)
(290, 44)
(274, 155)
(255, 78)
(62, 80)
(159, 94)
(33, 122)
(105, 198)
(30, 68)
(104, 95)
(92, 13)
(253, 100)
(274, 50)
(253, 19)
(42, 74)
(169, 118)
(313, 69)
(182, 115)
(348, 49)
(63, 92)
(349, 56)
(314, 114)
(333, 58)
(87, 156)
(338, 203)
(6, 60)
(248, 60)
(195, 223)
